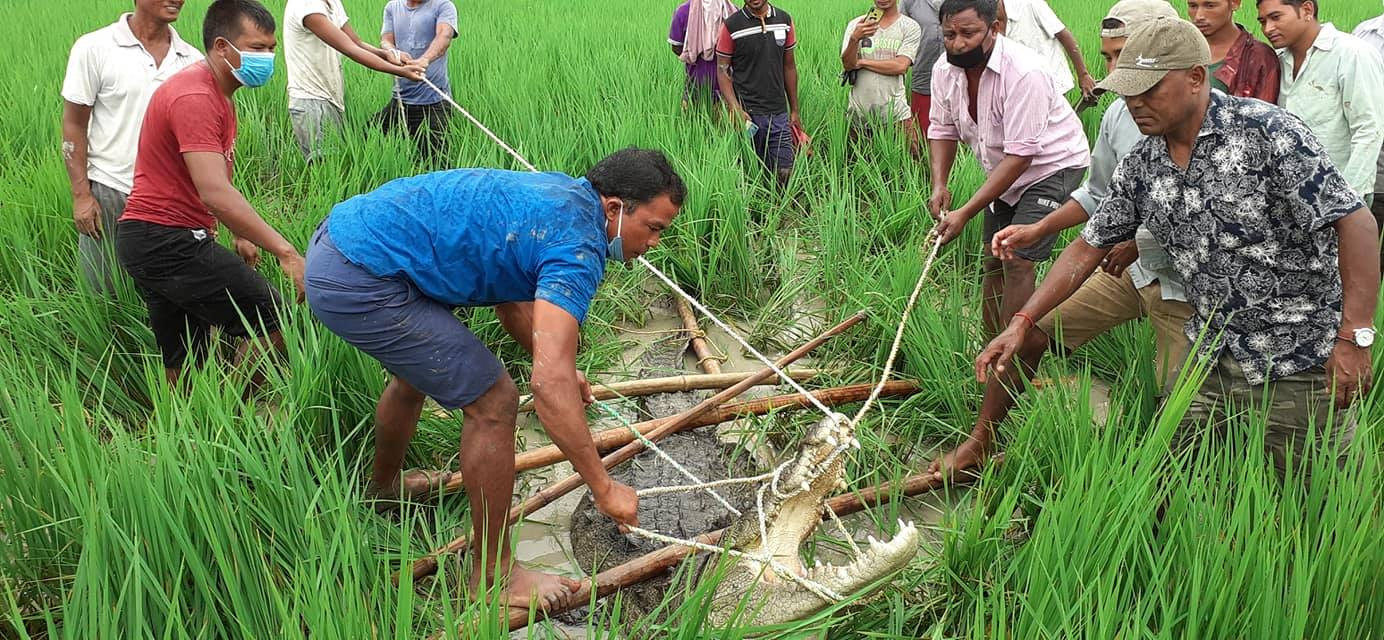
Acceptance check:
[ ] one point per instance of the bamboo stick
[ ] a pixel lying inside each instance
(674, 384)
(608, 439)
(708, 361)
(427, 565)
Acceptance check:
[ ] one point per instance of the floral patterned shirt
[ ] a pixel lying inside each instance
(1249, 227)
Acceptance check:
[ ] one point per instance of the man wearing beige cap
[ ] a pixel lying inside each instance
(1136, 281)
(1278, 254)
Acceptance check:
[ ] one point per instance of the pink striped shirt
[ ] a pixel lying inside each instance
(1020, 114)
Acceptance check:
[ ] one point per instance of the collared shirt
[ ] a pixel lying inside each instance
(1118, 136)
(1339, 93)
(414, 29)
(1249, 227)
(1250, 69)
(1372, 32)
(756, 49)
(110, 71)
(481, 237)
(1019, 114)
(1033, 24)
(314, 67)
(924, 12)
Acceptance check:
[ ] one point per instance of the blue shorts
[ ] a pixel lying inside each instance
(417, 339)
(773, 143)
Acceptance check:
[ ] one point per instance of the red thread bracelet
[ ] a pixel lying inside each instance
(1025, 316)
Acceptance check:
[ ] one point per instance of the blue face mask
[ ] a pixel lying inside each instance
(256, 67)
(615, 251)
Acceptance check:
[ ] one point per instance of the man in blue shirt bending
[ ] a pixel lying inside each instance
(386, 270)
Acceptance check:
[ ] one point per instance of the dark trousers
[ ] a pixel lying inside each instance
(1377, 208)
(426, 123)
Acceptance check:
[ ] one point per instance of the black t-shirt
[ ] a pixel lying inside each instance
(756, 48)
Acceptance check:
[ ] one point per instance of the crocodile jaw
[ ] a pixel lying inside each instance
(766, 596)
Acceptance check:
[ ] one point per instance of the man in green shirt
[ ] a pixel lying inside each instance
(1334, 82)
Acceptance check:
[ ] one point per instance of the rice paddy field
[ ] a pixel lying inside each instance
(128, 511)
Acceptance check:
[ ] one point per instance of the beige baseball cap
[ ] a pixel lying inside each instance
(1132, 13)
(1153, 49)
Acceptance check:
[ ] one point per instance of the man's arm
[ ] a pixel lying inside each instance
(351, 47)
(442, 38)
(996, 183)
(517, 319)
(86, 213)
(790, 86)
(1349, 366)
(943, 156)
(850, 44)
(558, 402)
(1083, 76)
(1077, 262)
(896, 67)
(727, 85)
(209, 176)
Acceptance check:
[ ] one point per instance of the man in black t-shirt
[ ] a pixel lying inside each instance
(759, 80)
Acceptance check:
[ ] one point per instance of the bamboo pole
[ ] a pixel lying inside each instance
(674, 384)
(608, 439)
(708, 361)
(651, 565)
(427, 565)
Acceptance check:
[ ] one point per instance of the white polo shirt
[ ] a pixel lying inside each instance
(111, 72)
(314, 67)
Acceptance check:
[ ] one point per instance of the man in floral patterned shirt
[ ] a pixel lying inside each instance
(1278, 254)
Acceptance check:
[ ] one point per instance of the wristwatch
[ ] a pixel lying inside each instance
(1363, 338)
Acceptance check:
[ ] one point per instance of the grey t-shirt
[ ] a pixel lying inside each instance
(924, 12)
(414, 29)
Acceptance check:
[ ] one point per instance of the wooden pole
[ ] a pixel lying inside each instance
(653, 564)
(427, 565)
(608, 439)
(674, 384)
(708, 361)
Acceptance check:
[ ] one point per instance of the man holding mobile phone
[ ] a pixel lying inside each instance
(878, 49)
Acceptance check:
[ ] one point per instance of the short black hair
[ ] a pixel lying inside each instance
(988, 10)
(637, 176)
(1297, 4)
(225, 20)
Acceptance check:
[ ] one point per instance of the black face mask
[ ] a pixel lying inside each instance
(972, 59)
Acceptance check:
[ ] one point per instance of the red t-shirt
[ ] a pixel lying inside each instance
(187, 113)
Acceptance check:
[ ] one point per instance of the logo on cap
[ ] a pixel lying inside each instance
(1141, 61)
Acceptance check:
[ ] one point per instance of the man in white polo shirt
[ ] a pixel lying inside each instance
(111, 73)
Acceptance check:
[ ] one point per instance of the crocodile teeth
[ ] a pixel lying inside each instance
(855, 443)
(806, 486)
(903, 526)
(831, 441)
(873, 541)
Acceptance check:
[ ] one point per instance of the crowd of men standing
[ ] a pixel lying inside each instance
(1225, 198)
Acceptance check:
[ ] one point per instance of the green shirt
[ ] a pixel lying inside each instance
(1216, 82)
(1339, 93)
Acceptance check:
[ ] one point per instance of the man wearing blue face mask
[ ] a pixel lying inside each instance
(182, 190)
(387, 269)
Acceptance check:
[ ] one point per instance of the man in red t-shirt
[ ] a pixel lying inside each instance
(166, 238)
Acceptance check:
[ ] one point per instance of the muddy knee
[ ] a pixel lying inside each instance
(498, 406)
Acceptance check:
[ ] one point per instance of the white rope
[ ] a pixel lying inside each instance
(656, 491)
(649, 444)
(841, 526)
(731, 332)
(527, 165)
(898, 335)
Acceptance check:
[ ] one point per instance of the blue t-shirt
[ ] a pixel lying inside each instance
(414, 30)
(480, 237)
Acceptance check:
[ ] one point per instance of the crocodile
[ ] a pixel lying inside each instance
(750, 592)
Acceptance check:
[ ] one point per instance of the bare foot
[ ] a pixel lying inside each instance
(526, 588)
(968, 456)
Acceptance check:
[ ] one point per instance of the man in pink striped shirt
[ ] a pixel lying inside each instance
(990, 93)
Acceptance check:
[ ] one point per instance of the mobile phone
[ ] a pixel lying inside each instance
(875, 13)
